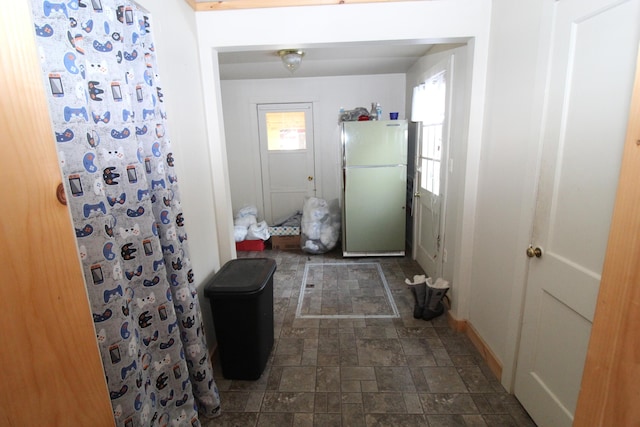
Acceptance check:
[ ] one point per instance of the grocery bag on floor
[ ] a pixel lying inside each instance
(320, 225)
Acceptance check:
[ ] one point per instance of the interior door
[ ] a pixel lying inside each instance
(590, 79)
(611, 375)
(430, 194)
(50, 364)
(286, 157)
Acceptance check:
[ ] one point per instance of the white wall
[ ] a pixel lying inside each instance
(175, 37)
(194, 105)
(507, 179)
(328, 94)
(421, 22)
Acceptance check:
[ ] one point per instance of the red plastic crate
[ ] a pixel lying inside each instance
(250, 245)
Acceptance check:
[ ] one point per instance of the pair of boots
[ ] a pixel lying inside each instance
(428, 296)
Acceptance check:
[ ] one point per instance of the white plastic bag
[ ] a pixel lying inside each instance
(259, 231)
(244, 218)
(320, 225)
(245, 221)
(247, 211)
(239, 233)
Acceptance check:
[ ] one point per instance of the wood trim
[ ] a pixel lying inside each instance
(456, 324)
(494, 363)
(50, 363)
(610, 389)
(465, 327)
(257, 4)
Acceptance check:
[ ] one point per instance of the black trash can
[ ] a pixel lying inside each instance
(241, 297)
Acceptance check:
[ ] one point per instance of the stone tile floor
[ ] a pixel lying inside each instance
(364, 372)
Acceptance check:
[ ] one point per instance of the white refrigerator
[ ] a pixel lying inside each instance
(374, 180)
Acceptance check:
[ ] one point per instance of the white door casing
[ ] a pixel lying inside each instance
(429, 204)
(287, 174)
(589, 82)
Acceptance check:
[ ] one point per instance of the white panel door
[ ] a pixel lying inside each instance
(286, 157)
(431, 175)
(592, 62)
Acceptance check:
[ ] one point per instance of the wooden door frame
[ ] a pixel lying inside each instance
(203, 6)
(609, 392)
(50, 365)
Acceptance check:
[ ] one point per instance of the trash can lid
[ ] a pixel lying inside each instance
(241, 277)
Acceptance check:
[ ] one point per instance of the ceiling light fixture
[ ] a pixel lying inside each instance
(291, 58)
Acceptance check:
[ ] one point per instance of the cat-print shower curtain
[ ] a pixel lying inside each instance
(106, 105)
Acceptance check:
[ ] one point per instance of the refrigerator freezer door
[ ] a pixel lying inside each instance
(374, 211)
(375, 143)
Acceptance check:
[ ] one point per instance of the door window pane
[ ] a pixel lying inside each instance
(424, 178)
(286, 130)
(435, 177)
(432, 141)
(432, 118)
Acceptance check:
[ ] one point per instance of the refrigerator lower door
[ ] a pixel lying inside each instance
(374, 211)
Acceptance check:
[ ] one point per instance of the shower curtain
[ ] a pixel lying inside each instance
(106, 105)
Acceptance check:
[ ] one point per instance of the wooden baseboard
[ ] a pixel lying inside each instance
(456, 324)
(461, 325)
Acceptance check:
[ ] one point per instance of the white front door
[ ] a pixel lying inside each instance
(430, 195)
(286, 157)
(593, 47)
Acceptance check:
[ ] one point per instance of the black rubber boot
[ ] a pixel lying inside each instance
(434, 306)
(419, 292)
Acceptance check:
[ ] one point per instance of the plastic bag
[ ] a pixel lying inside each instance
(245, 221)
(246, 226)
(239, 233)
(247, 211)
(320, 225)
(354, 115)
(259, 231)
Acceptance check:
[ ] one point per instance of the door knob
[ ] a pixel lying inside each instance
(416, 195)
(309, 178)
(534, 252)
(60, 194)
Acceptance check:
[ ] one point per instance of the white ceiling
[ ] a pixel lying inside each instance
(318, 61)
